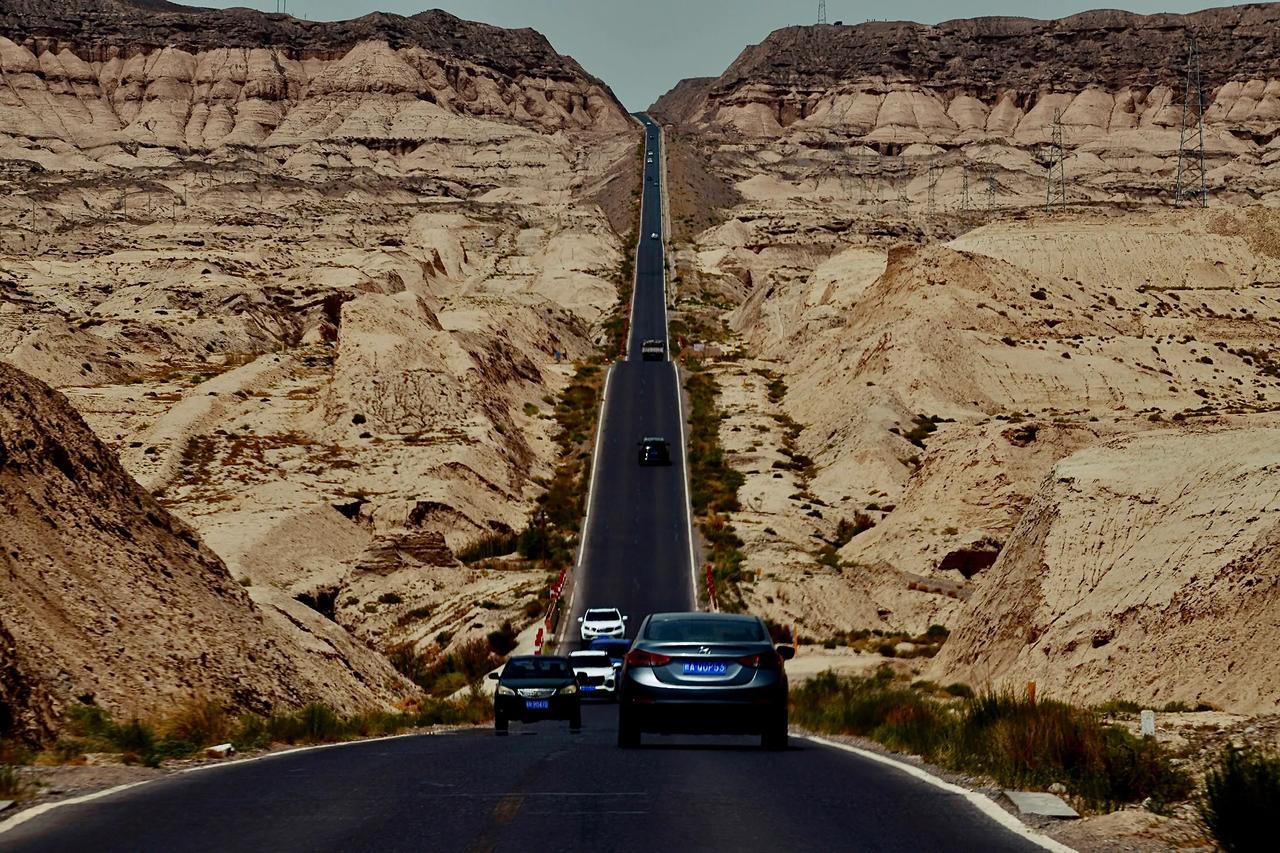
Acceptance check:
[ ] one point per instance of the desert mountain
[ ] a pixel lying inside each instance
(110, 77)
(108, 599)
(318, 285)
(878, 103)
(961, 410)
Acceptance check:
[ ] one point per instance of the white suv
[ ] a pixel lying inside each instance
(595, 672)
(602, 622)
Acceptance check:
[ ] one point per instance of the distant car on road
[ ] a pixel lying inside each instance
(595, 673)
(654, 349)
(616, 649)
(653, 236)
(655, 450)
(602, 622)
(704, 673)
(536, 687)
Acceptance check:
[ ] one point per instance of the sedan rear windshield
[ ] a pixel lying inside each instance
(539, 668)
(705, 630)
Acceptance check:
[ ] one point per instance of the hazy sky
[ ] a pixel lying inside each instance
(642, 48)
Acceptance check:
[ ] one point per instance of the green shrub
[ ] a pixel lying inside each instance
(200, 722)
(319, 724)
(489, 546)
(1017, 742)
(11, 785)
(503, 640)
(1241, 798)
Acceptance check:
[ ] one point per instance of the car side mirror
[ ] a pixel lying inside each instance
(494, 676)
(579, 618)
(625, 618)
(786, 652)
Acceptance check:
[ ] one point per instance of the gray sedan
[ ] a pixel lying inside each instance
(704, 673)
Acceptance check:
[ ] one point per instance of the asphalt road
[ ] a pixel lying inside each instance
(636, 551)
(542, 788)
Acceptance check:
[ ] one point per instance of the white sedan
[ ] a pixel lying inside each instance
(602, 622)
(595, 673)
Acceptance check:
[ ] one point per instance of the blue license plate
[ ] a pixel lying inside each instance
(706, 668)
(587, 688)
(537, 704)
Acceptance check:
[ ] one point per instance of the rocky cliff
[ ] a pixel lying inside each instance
(1145, 568)
(989, 89)
(100, 73)
(108, 599)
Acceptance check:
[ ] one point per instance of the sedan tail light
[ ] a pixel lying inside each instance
(639, 657)
(765, 660)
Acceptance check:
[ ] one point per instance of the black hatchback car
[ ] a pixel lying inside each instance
(704, 673)
(655, 450)
(536, 687)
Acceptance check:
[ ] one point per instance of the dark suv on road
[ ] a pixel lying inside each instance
(704, 673)
(655, 450)
(536, 687)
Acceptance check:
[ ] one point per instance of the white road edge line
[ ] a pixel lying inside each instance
(688, 507)
(597, 452)
(604, 395)
(684, 436)
(978, 801)
(680, 398)
(635, 257)
(44, 808)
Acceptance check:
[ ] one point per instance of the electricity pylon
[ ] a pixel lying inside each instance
(1055, 192)
(1191, 176)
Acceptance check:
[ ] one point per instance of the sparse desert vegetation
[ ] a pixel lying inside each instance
(1016, 741)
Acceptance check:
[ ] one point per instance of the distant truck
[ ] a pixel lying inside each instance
(654, 349)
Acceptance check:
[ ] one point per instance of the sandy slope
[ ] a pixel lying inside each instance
(1145, 567)
(110, 600)
(939, 383)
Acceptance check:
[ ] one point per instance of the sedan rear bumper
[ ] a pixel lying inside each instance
(733, 711)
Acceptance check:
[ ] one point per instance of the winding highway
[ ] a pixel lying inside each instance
(543, 788)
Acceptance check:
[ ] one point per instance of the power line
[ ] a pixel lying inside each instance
(934, 171)
(964, 185)
(1191, 175)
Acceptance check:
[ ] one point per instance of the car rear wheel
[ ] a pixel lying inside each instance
(575, 722)
(499, 724)
(775, 736)
(628, 731)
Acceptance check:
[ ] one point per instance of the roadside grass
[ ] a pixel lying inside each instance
(491, 545)
(618, 323)
(1241, 798)
(1017, 742)
(713, 488)
(885, 643)
(12, 787)
(200, 723)
(442, 674)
